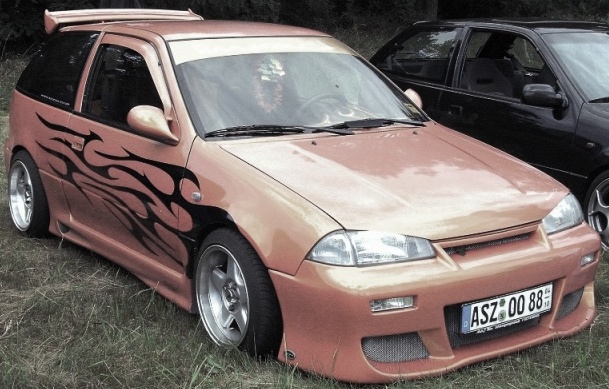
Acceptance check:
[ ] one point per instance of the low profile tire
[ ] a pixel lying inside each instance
(596, 207)
(26, 197)
(236, 299)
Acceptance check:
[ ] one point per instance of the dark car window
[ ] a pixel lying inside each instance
(120, 81)
(423, 56)
(524, 51)
(54, 72)
(501, 64)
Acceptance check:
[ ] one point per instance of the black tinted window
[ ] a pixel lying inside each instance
(54, 72)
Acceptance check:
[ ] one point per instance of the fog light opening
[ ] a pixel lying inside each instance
(587, 259)
(392, 303)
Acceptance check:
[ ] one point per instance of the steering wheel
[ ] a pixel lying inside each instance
(322, 96)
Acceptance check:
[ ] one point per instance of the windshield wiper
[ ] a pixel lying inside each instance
(375, 123)
(334, 130)
(257, 130)
(599, 100)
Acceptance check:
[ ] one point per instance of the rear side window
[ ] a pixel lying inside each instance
(423, 55)
(54, 73)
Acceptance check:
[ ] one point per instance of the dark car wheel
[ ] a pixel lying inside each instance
(235, 296)
(596, 207)
(26, 196)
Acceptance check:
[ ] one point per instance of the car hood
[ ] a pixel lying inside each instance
(429, 182)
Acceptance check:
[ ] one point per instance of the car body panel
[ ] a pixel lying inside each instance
(148, 205)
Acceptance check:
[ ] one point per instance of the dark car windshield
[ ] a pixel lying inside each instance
(584, 56)
(270, 82)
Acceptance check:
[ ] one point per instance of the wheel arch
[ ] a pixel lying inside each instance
(594, 174)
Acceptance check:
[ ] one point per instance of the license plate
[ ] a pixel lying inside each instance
(503, 311)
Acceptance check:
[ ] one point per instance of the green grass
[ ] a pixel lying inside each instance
(71, 319)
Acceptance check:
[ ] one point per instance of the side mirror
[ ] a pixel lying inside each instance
(150, 121)
(414, 96)
(543, 95)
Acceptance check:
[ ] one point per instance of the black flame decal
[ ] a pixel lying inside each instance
(143, 227)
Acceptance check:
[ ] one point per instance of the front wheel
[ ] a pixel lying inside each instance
(236, 299)
(26, 196)
(596, 206)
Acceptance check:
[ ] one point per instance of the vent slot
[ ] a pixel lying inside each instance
(461, 250)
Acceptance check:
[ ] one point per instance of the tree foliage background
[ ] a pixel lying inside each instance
(21, 27)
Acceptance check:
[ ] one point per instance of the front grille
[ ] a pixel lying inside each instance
(394, 348)
(569, 303)
(452, 317)
(476, 246)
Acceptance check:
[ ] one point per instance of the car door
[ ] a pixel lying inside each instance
(121, 185)
(421, 60)
(485, 101)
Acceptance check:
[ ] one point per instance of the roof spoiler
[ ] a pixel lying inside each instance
(57, 19)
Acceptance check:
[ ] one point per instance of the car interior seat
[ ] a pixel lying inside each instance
(483, 75)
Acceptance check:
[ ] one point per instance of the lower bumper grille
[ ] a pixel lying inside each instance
(394, 348)
(569, 303)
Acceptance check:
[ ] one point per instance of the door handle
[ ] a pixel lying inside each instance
(455, 110)
(78, 143)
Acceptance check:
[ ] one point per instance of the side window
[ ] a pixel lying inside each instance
(120, 81)
(524, 52)
(476, 43)
(501, 64)
(422, 56)
(54, 72)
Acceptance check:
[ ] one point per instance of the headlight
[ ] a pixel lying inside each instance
(354, 248)
(567, 214)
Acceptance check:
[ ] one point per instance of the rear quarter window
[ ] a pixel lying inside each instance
(55, 71)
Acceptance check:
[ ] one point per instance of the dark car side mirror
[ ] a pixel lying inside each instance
(543, 95)
(150, 121)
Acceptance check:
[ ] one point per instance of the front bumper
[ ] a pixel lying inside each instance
(329, 328)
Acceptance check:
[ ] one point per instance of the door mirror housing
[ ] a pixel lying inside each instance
(414, 97)
(150, 121)
(543, 95)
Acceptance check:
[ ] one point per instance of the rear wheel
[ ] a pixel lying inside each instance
(596, 207)
(26, 196)
(236, 299)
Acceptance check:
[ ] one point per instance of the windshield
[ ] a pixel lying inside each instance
(584, 56)
(281, 86)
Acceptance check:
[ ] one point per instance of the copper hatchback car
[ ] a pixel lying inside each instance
(268, 178)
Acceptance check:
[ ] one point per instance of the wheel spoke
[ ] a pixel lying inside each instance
(599, 205)
(598, 211)
(233, 272)
(226, 319)
(218, 279)
(241, 317)
(28, 214)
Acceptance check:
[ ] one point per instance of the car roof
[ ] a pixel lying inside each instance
(539, 25)
(171, 25)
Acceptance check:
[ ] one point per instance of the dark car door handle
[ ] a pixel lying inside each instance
(455, 110)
